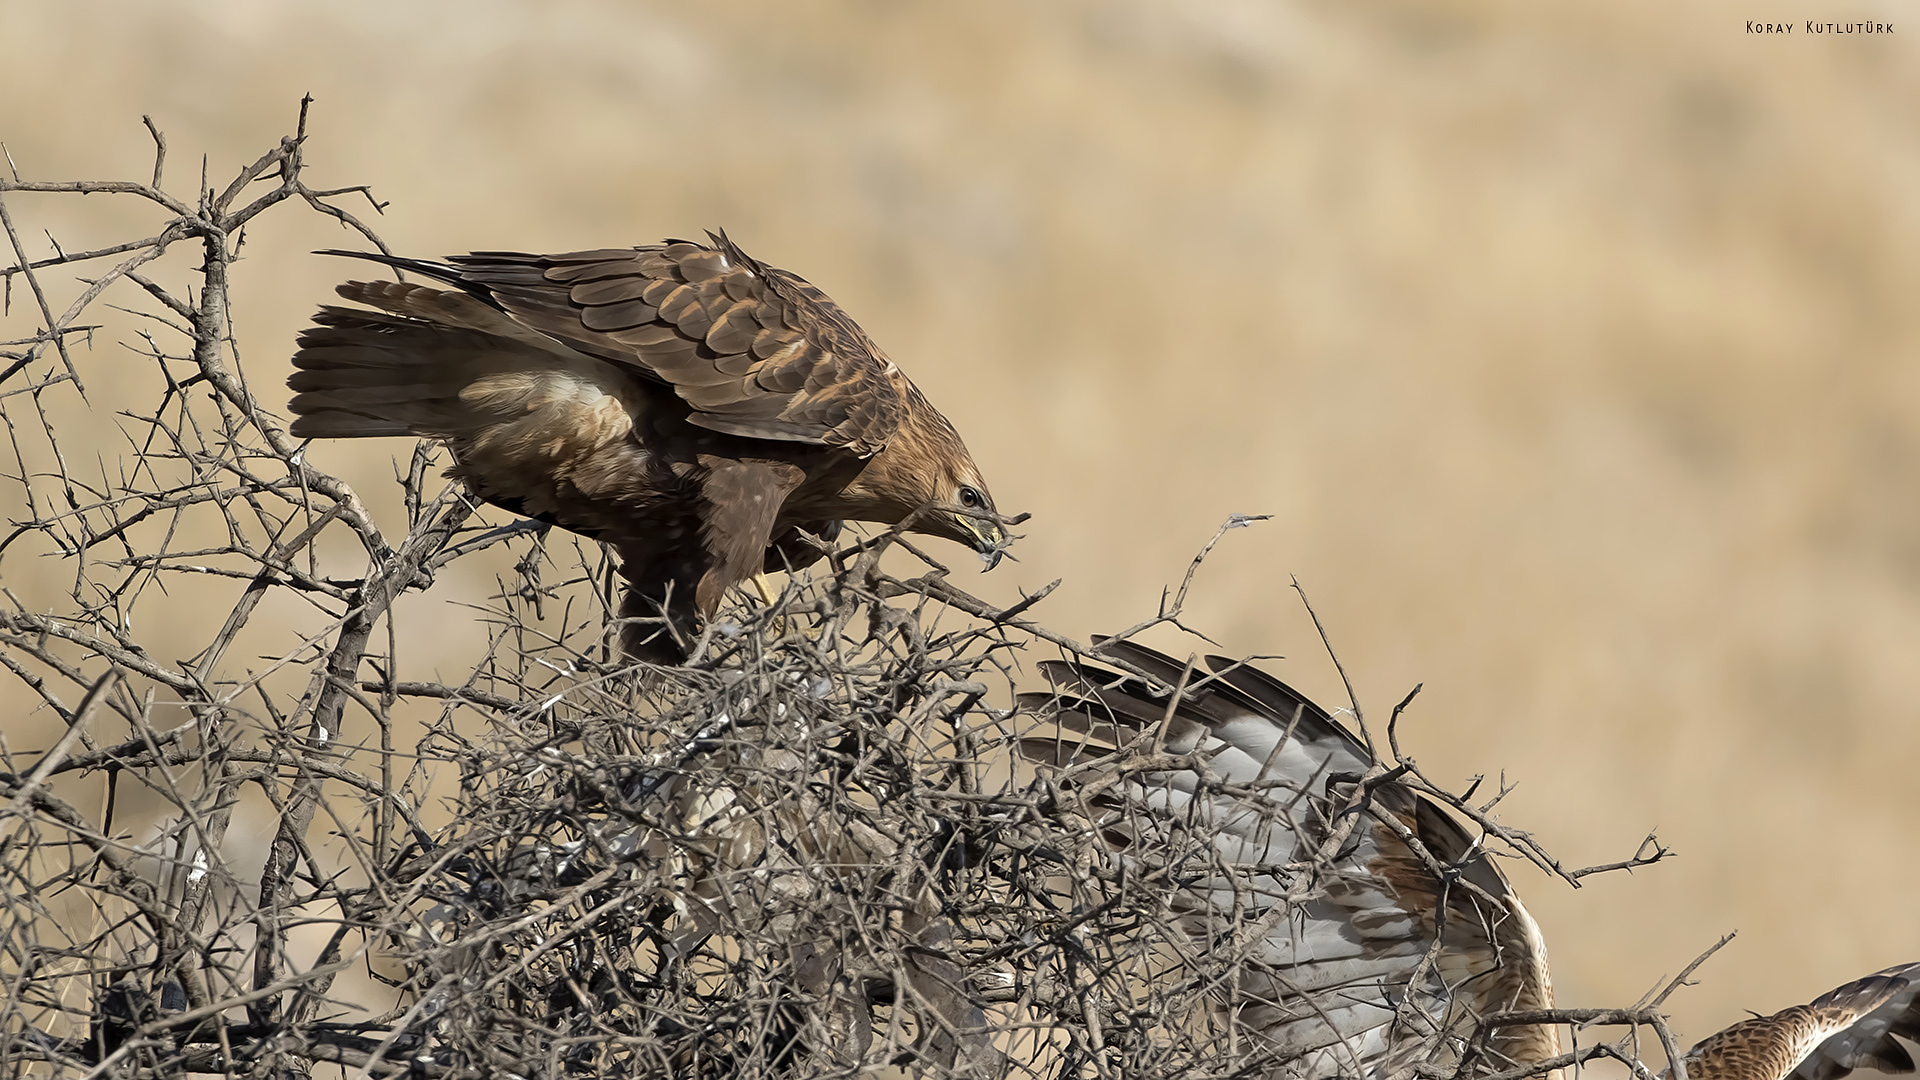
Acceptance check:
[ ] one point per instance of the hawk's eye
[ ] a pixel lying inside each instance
(971, 499)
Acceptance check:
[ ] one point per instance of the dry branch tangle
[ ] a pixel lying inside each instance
(807, 854)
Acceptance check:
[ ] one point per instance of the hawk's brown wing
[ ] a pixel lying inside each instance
(1855, 1026)
(1330, 965)
(755, 351)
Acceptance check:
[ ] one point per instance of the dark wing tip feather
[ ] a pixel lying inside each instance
(1086, 679)
(1886, 1005)
(444, 273)
(1864, 994)
(1263, 687)
(1162, 666)
(1886, 1055)
(725, 245)
(437, 271)
(1284, 701)
(1041, 700)
(1221, 687)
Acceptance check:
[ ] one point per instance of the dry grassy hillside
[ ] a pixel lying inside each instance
(1572, 345)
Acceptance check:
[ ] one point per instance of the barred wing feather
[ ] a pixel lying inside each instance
(1362, 964)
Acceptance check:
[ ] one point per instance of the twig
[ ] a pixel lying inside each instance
(1353, 700)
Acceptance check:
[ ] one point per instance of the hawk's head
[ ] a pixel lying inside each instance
(925, 478)
(963, 511)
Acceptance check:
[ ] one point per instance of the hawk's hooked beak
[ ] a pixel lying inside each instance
(988, 540)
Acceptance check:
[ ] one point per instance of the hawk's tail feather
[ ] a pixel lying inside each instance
(361, 374)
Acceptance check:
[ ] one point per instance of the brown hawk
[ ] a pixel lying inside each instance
(705, 414)
(1378, 967)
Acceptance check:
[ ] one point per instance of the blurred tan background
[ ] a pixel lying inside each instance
(1572, 346)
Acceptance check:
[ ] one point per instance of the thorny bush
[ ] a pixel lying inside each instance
(238, 839)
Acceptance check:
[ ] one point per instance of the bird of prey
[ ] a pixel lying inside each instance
(1354, 957)
(708, 416)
